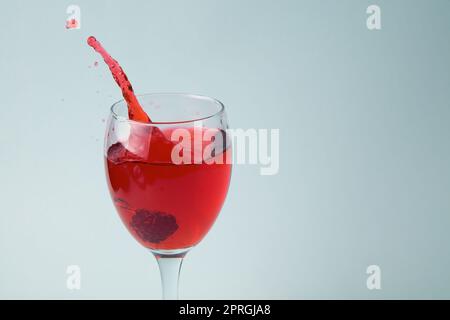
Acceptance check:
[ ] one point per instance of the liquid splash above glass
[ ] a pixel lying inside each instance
(135, 111)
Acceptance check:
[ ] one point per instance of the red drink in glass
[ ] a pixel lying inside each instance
(166, 206)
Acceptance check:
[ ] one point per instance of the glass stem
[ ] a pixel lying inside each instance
(169, 267)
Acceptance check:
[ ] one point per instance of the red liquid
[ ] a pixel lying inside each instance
(135, 111)
(164, 205)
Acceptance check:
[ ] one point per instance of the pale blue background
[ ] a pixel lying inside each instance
(365, 153)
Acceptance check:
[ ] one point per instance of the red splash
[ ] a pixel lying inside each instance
(135, 111)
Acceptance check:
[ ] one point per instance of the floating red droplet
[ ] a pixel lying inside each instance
(71, 24)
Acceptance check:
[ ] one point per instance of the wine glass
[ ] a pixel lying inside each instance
(168, 179)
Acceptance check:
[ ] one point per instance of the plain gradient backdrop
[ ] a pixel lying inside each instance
(364, 131)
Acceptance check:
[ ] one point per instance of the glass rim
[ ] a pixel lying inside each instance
(176, 94)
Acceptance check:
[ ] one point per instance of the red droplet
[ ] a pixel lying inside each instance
(71, 24)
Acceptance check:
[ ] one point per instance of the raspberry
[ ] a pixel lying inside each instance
(117, 153)
(153, 226)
